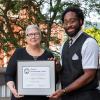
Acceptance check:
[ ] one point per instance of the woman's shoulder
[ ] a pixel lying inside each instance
(18, 50)
(49, 52)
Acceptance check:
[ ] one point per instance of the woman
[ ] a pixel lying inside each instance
(32, 51)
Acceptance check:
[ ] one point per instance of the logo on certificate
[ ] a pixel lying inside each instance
(26, 70)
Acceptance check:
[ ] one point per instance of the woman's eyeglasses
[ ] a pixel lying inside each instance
(33, 34)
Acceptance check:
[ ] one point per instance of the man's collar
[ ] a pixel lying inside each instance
(77, 35)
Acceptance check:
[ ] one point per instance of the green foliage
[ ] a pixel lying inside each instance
(94, 32)
(5, 48)
(51, 15)
(15, 6)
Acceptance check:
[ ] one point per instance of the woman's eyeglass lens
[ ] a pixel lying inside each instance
(33, 34)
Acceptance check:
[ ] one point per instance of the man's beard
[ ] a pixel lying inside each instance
(72, 34)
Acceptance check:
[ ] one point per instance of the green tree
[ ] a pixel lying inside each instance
(94, 32)
(35, 8)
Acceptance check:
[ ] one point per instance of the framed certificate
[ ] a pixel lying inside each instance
(36, 77)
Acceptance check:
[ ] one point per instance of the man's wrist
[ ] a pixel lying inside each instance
(64, 91)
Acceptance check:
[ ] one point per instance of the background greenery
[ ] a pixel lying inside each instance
(48, 17)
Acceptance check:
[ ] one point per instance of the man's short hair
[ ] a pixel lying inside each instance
(77, 10)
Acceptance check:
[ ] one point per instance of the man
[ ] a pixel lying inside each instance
(79, 60)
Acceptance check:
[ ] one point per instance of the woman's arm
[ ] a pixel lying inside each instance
(11, 86)
(11, 74)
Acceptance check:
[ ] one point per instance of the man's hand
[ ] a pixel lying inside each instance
(57, 94)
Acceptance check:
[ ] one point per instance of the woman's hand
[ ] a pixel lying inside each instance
(57, 64)
(11, 86)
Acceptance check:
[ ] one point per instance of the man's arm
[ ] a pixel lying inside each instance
(86, 78)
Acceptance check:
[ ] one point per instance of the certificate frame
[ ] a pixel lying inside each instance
(47, 87)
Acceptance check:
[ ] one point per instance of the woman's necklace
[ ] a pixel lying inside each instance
(35, 57)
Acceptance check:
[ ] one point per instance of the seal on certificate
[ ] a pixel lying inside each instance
(26, 70)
